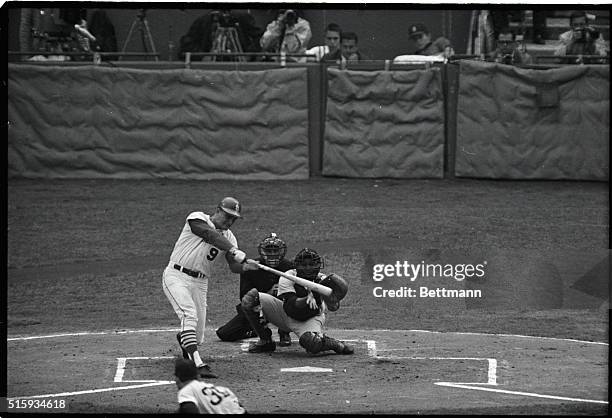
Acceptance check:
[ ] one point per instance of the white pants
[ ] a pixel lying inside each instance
(187, 295)
(273, 311)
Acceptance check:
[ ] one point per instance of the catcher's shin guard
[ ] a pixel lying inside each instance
(252, 311)
(312, 342)
(315, 342)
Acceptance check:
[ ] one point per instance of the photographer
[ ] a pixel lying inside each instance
(582, 39)
(289, 34)
(510, 50)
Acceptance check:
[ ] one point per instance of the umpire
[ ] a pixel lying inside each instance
(272, 251)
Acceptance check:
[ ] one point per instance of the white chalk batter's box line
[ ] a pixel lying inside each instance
(138, 331)
(491, 379)
(121, 363)
(371, 350)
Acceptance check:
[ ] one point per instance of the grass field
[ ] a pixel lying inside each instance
(87, 255)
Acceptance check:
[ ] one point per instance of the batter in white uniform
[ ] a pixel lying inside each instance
(203, 240)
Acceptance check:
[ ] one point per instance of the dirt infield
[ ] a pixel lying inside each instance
(391, 371)
(85, 259)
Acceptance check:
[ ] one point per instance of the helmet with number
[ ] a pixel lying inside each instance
(272, 249)
(308, 263)
(230, 206)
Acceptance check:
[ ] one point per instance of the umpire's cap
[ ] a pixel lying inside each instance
(231, 206)
(185, 369)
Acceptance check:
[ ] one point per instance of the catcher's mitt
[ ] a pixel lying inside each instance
(339, 288)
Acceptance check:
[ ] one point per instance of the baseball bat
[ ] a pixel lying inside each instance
(319, 288)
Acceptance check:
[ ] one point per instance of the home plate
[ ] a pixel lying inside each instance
(306, 369)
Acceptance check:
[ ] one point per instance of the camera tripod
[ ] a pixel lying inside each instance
(141, 22)
(226, 40)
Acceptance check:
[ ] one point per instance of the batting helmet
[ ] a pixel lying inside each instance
(308, 263)
(231, 206)
(272, 249)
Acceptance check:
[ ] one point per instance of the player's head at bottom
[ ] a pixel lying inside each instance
(308, 263)
(185, 371)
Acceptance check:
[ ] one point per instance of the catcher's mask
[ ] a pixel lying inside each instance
(272, 249)
(308, 264)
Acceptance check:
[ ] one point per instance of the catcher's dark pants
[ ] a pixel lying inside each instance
(236, 329)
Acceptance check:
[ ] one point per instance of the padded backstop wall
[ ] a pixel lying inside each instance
(101, 122)
(384, 124)
(515, 123)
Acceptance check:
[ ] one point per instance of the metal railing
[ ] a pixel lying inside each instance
(573, 59)
(97, 58)
(281, 58)
(93, 56)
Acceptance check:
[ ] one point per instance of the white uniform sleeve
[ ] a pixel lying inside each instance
(231, 238)
(198, 215)
(285, 285)
(186, 395)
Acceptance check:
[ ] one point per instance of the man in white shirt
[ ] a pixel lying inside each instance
(582, 38)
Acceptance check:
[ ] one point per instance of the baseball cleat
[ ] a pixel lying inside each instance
(205, 373)
(185, 353)
(262, 347)
(285, 339)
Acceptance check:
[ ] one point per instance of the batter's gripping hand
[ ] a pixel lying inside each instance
(238, 255)
(339, 288)
(311, 301)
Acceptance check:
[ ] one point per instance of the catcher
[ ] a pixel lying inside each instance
(272, 251)
(297, 309)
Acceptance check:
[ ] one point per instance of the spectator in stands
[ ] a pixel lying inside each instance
(288, 33)
(582, 39)
(348, 47)
(425, 46)
(332, 43)
(510, 50)
(349, 51)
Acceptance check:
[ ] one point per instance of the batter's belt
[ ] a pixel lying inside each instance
(189, 272)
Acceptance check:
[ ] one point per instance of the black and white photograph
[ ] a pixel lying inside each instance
(306, 208)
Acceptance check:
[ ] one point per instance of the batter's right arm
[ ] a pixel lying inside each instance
(233, 255)
(209, 234)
